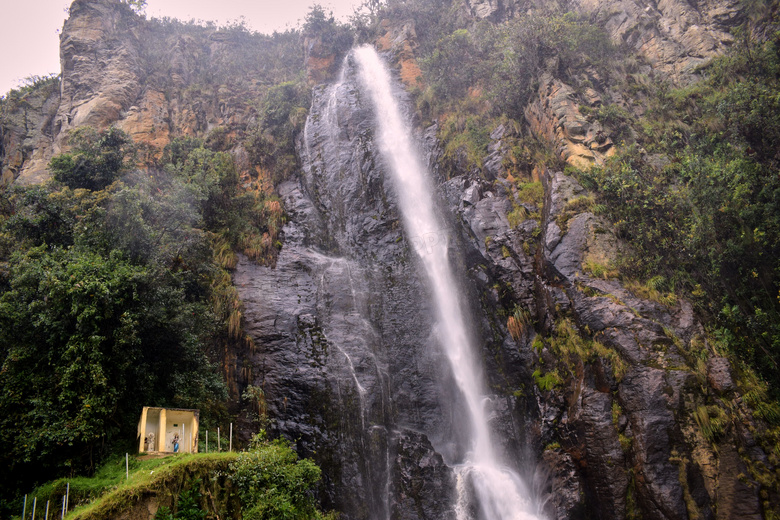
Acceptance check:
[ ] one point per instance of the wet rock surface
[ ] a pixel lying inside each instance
(630, 433)
(348, 359)
(347, 353)
(425, 483)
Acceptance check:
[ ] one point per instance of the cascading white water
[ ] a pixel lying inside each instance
(500, 493)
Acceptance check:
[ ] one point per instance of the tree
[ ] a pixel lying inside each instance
(97, 158)
(85, 341)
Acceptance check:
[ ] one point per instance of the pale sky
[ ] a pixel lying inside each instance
(29, 29)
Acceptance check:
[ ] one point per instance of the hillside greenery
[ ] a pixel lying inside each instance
(266, 481)
(115, 278)
(114, 296)
(705, 222)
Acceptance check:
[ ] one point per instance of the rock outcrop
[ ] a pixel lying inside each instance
(27, 131)
(139, 75)
(675, 36)
(101, 65)
(554, 115)
(400, 40)
(631, 430)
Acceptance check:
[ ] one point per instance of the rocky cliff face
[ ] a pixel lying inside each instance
(345, 354)
(27, 133)
(601, 397)
(674, 36)
(633, 432)
(154, 80)
(348, 368)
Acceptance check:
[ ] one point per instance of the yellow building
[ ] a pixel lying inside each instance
(168, 430)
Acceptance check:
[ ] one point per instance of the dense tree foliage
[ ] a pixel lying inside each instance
(96, 161)
(88, 339)
(271, 143)
(504, 61)
(116, 298)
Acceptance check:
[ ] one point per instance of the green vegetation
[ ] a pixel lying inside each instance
(483, 75)
(271, 144)
(267, 482)
(83, 260)
(236, 71)
(711, 421)
(336, 37)
(625, 442)
(519, 322)
(652, 290)
(615, 119)
(502, 61)
(34, 84)
(530, 193)
(108, 491)
(96, 161)
(188, 504)
(599, 270)
(571, 347)
(617, 411)
(548, 381)
(274, 484)
(114, 294)
(707, 224)
(243, 219)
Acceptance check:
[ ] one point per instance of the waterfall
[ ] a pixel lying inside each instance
(499, 493)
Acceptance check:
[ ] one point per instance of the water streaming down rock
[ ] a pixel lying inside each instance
(500, 493)
(348, 352)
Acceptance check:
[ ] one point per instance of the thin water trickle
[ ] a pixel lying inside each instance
(499, 492)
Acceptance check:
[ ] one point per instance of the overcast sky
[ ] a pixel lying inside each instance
(29, 29)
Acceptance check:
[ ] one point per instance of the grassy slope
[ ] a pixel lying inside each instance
(109, 492)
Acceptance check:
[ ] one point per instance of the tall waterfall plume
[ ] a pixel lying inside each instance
(499, 492)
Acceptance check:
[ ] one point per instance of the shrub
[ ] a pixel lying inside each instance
(274, 484)
(548, 381)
